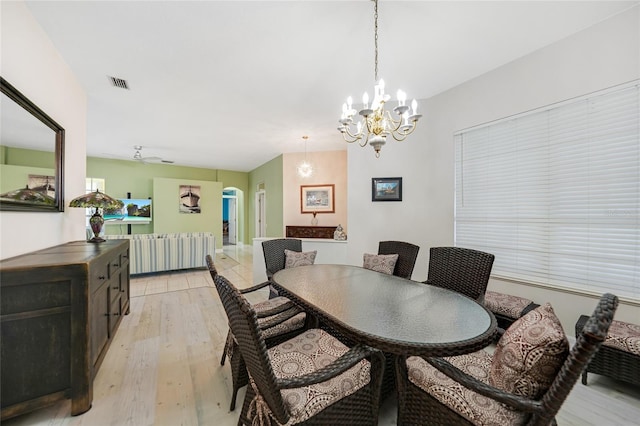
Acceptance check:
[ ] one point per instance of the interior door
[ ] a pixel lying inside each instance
(233, 221)
(261, 223)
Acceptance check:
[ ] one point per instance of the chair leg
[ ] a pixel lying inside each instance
(226, 347)
(584, 377)
(234, 393)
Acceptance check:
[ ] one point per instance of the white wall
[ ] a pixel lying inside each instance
(31, 63)
(330, 167)
(598, 57)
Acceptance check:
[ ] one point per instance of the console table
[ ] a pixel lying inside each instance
(310, 231)
(59, 311)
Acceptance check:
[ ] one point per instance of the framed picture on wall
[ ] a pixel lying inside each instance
(189, 199)
(317, 199)
(386, 189)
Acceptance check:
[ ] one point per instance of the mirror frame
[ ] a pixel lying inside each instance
(8, 205)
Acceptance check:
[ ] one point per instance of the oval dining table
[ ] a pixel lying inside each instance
(393, 314)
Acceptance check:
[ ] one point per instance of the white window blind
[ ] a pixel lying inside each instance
(554, 193)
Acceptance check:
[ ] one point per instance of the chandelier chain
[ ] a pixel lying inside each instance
(375, 18)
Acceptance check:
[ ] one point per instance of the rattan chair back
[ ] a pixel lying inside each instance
(464, 270)
(244, 325)
(212, 267)
(407, 255)
(273, 251)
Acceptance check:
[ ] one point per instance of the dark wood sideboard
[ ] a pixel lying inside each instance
(310, 231)
(59, 311)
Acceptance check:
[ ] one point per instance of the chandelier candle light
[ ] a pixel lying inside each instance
(377, 122)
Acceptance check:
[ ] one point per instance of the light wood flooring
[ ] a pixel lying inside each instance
(163, 367)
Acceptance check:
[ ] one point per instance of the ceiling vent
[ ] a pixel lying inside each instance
(118, 82)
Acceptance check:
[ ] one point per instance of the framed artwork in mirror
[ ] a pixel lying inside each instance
(317, 198)
(386, 189)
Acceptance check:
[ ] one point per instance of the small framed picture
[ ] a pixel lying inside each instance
(386, 189)
(317, 199)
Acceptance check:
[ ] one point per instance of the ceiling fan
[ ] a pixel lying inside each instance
(138, 157)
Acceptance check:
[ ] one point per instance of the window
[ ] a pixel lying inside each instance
(554, 193)
(92, 184)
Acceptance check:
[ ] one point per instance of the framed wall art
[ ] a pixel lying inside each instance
(386, 189)
(189, 199)
(317, 199)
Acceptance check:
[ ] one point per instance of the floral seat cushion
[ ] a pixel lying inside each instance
(505, 304)
(294, 323)
(308, 352)
(624, 336)
(474, 407)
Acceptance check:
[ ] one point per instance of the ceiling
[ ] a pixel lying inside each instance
(233, 84)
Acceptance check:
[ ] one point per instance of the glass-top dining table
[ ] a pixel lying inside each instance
(393, 314)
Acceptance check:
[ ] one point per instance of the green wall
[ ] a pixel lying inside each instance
(16, 164)
(27, 157)
(16, 177)
(167, 217)
(130, 176)
(270, 174)
(122, 177)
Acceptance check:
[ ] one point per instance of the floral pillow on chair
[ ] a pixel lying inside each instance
(384, 263)
(295, 258)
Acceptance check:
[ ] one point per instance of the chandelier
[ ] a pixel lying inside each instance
(305, 169)
(377, 123)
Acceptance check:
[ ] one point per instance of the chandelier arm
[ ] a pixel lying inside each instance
(396, 123)
(354, 138)
(400, 136)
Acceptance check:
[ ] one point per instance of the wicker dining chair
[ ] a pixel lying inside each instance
(407, 255)
(274, 257)
(460, 269)
(466, 395)
(332, 384)
(278, 317)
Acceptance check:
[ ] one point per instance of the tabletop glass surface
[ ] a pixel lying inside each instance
(385, 305)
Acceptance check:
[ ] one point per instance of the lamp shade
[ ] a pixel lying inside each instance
(96, 199)
(29, 195)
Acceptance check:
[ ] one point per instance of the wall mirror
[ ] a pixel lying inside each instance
(31, 155)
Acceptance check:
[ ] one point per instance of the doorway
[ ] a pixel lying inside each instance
(261, 222)
(229, 217)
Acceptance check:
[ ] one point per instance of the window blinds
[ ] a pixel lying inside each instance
(554, 193)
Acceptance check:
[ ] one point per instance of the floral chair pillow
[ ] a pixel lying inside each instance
(384, 263)
(295, 258)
